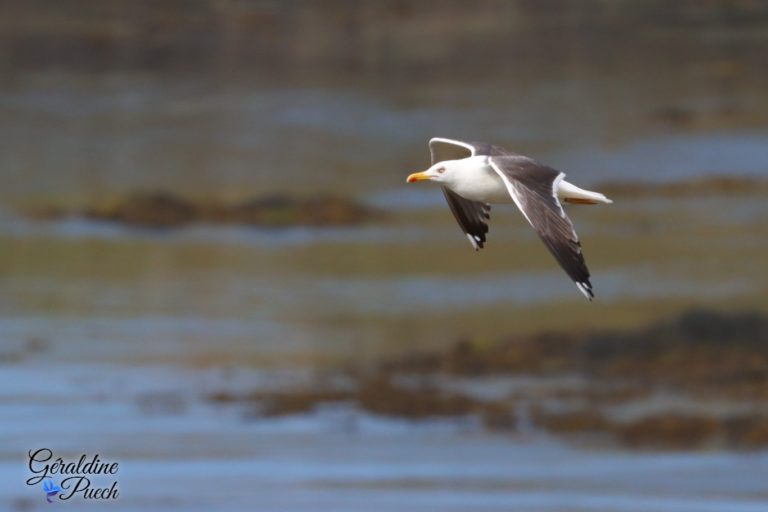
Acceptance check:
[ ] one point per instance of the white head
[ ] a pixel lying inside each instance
(445, 172)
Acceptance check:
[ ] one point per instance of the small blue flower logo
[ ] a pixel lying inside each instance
(51, 489)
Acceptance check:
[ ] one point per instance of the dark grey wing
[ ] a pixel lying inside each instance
(472, 217)
(533, 188)
(451, 149)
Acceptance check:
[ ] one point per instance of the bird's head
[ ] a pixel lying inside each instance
(441, 172)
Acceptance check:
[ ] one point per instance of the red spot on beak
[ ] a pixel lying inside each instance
(417, 176)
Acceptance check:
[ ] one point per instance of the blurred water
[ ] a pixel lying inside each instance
(110, 337)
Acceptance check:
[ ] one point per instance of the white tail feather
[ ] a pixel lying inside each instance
(568, 191)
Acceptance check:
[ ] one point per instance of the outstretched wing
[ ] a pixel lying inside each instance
(472, 216)
(451, 149)
(533, 188)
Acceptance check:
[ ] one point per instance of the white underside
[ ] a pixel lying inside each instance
(484, 184)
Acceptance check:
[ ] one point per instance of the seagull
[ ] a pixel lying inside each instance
(473, 175)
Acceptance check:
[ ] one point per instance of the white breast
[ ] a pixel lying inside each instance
(479, 182)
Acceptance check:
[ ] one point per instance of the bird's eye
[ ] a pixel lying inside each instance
(441, 170)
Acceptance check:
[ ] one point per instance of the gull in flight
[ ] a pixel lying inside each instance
(473, 175)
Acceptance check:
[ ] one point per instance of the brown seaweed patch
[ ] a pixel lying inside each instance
(572, 422)
(381, 396)
(699, 356)
(699, 349)
(667, 430)
(747, 431)
(468, 358)
(671, 431)
(154, 210)
(376, 394)
(164, 210)
(282, 403)
(499, 416)
(576, 384)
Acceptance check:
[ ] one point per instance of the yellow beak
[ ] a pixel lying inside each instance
(417, 176)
